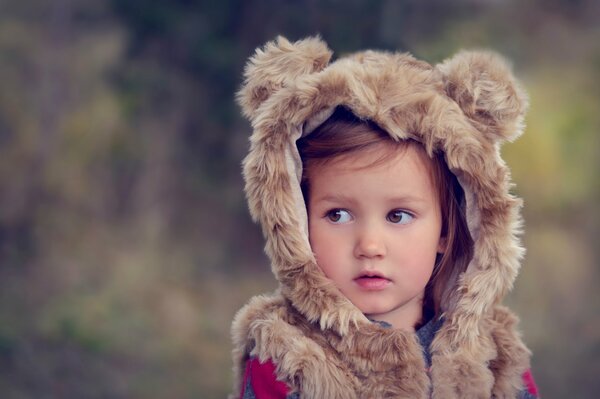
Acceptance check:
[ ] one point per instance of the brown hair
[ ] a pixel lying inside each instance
(344, 133)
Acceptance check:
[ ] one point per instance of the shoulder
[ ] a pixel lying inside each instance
(513, 354)
(258, 311)
(257, 308)
(260, 381)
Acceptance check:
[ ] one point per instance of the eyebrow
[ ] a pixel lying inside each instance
(334, 198)
(342, 198)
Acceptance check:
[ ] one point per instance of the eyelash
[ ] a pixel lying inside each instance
(334, 211)
(400, 211)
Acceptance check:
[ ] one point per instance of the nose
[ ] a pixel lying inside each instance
(370, 243)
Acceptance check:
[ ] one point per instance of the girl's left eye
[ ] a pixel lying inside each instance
(399, 217)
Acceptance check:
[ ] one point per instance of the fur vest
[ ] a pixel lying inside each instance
(321, 344)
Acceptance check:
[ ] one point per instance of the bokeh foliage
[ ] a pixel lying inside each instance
(125, 244)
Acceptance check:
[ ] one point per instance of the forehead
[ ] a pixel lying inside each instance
(396, 169)
(377, 156)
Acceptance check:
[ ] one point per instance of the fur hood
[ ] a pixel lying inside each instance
(465, 107)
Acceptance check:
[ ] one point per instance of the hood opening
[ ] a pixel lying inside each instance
(342, 134)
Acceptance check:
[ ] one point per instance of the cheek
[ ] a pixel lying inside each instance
(428, 255)
(417, 271)
(326, 248)
(419, 254)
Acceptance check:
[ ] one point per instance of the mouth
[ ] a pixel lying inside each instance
(372, 281)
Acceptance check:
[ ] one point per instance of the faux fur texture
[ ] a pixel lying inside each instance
(322, 345)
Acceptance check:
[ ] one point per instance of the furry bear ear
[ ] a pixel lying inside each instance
(277, 64)
(484, 87)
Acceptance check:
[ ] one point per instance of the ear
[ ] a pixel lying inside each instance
(276, 65)
(484, 87)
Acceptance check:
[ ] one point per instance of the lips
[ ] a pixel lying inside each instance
(372, 281)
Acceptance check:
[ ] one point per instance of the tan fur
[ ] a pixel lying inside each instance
(322, 345)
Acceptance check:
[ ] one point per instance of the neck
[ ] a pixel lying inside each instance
(405, 317)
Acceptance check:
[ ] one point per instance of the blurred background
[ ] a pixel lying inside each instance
(125, 243)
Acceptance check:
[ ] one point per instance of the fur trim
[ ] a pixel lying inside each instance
(465, 108)
(374, 362)
(482, 84)
(279, 63)
(513, 356)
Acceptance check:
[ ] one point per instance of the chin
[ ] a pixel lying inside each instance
(373, 310)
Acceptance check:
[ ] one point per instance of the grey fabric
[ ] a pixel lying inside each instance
(248, 391)
(426, 334)
(524, 394)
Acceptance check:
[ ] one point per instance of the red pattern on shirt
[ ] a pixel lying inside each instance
(263, 380)
(530, 383)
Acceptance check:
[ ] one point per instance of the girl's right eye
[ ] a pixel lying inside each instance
(339, 216)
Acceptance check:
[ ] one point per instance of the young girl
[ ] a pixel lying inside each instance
(389, 223)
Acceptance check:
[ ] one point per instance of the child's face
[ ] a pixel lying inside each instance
(375, 231)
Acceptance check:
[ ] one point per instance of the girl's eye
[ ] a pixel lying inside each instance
(399, 217)
(339, 216)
